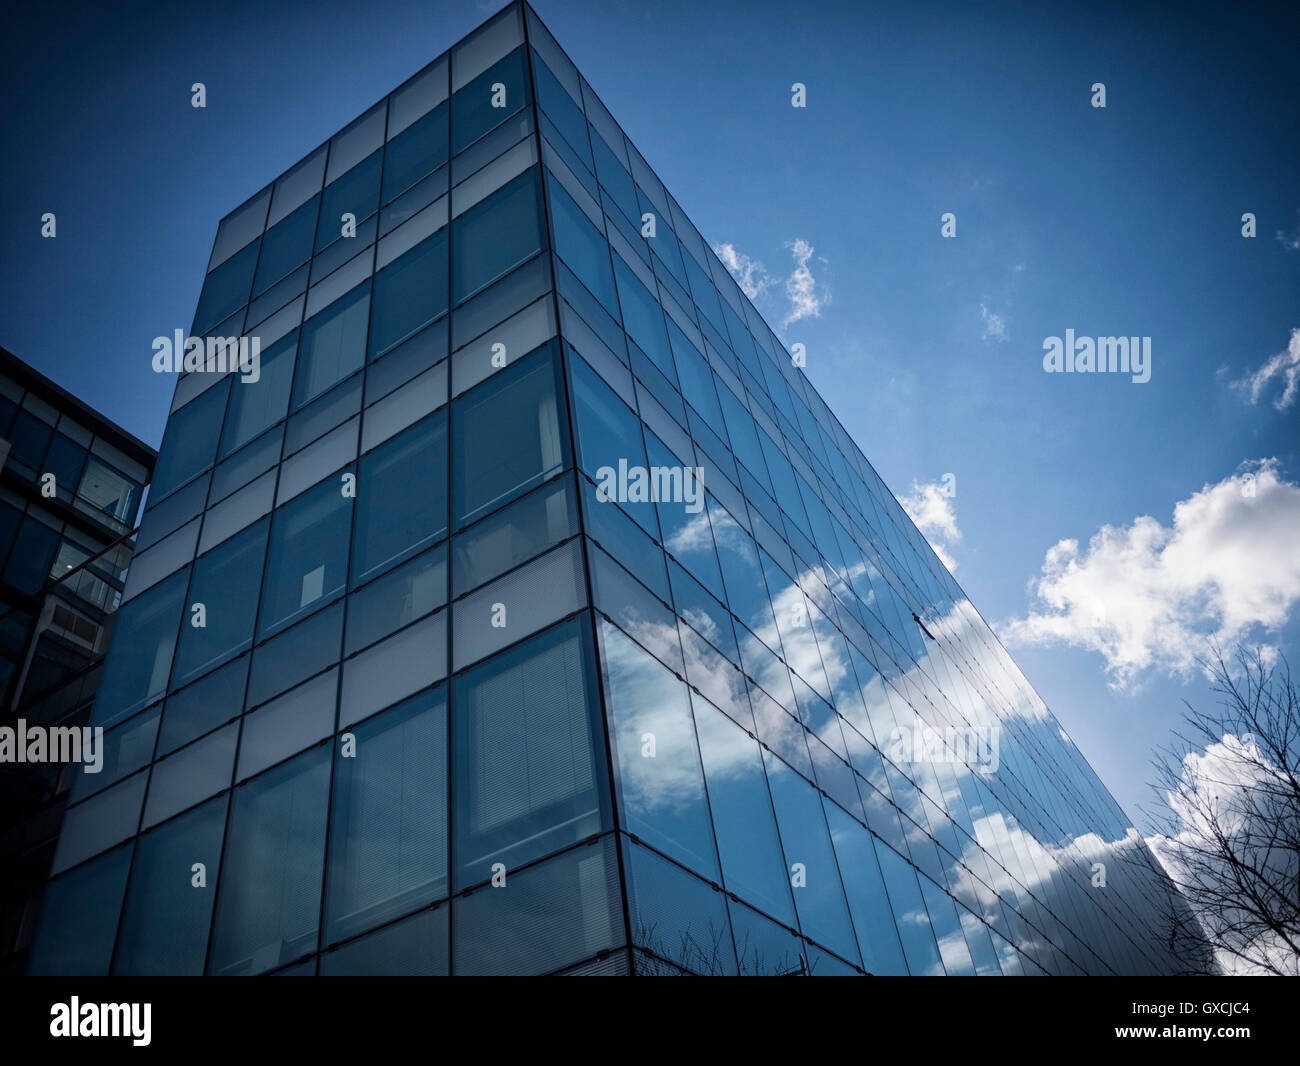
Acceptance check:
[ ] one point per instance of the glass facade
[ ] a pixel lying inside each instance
(429, 697)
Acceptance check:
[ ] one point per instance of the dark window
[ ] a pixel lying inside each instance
(286, 245)
(140, 655)
(473, 110)
(388, 836)
(401, 497)
(307, 563)
(418, 150)
(255, 406)
(506, 436)
(226, 289)
(410, 293)
(582, 247)
(225, 582)
(79, 918)
(268, 905)
(165, 920)
(528, 780)
(355, 193)
(333, 345)
(65, 460)
(32, 555)
(563, 111)
(29, 439)
(190, 442)
(495, 236)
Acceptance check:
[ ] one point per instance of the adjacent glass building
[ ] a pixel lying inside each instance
(71, 482)
(401, 689)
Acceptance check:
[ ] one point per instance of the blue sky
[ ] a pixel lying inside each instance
(1103, 527)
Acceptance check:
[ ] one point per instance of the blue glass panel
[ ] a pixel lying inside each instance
(660, 780)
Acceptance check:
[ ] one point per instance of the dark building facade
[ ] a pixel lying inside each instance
(532, 613)
(71, 483)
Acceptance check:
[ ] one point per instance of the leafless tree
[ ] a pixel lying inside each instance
(708, 958)
(1230, 833)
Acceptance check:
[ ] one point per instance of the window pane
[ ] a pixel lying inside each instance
(582, 247)
(661, 785)
(295, 655)
(79, 918)
(417, 947)
(355, 193)
(506, 435)
(388, 835)
(225, 583)
(190, 442)
(562, 109)
(823, 915)
(308, 556)
(752, 864)
(203, 706)
(513, 535)
(644, 319)
(528, 778)
(226, 289)
(947, 930)
(287, 245)
(32, 556)
(401, 497)
(763, 948)
(418, 150)
(410, 293)
(493, 237)
(268, 906)
(403, 595)
(910, 917)
(140, 654)
(255, 406)
(166, 918)
(877, 936)
(678, 917)
(476, 108)
(110, 493)
(65, 461)
(333, 345)
(549, 916)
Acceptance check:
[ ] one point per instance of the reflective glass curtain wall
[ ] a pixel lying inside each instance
(413, 685)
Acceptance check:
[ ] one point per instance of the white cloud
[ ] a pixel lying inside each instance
(750, 274)
(1285, 366)
(1290, 241)
(995, 325)
(930, 506)
(1220, 791)
(1149, 596)
(800, 287)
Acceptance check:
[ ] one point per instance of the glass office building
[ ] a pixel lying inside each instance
(406, 682)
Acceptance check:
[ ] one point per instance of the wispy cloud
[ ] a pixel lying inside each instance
(1285, 367)
(1291, 241)
(995, 325)
(806, 297)
(1149, 596)
(930, 505)
(750, 274)
(800, 287)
